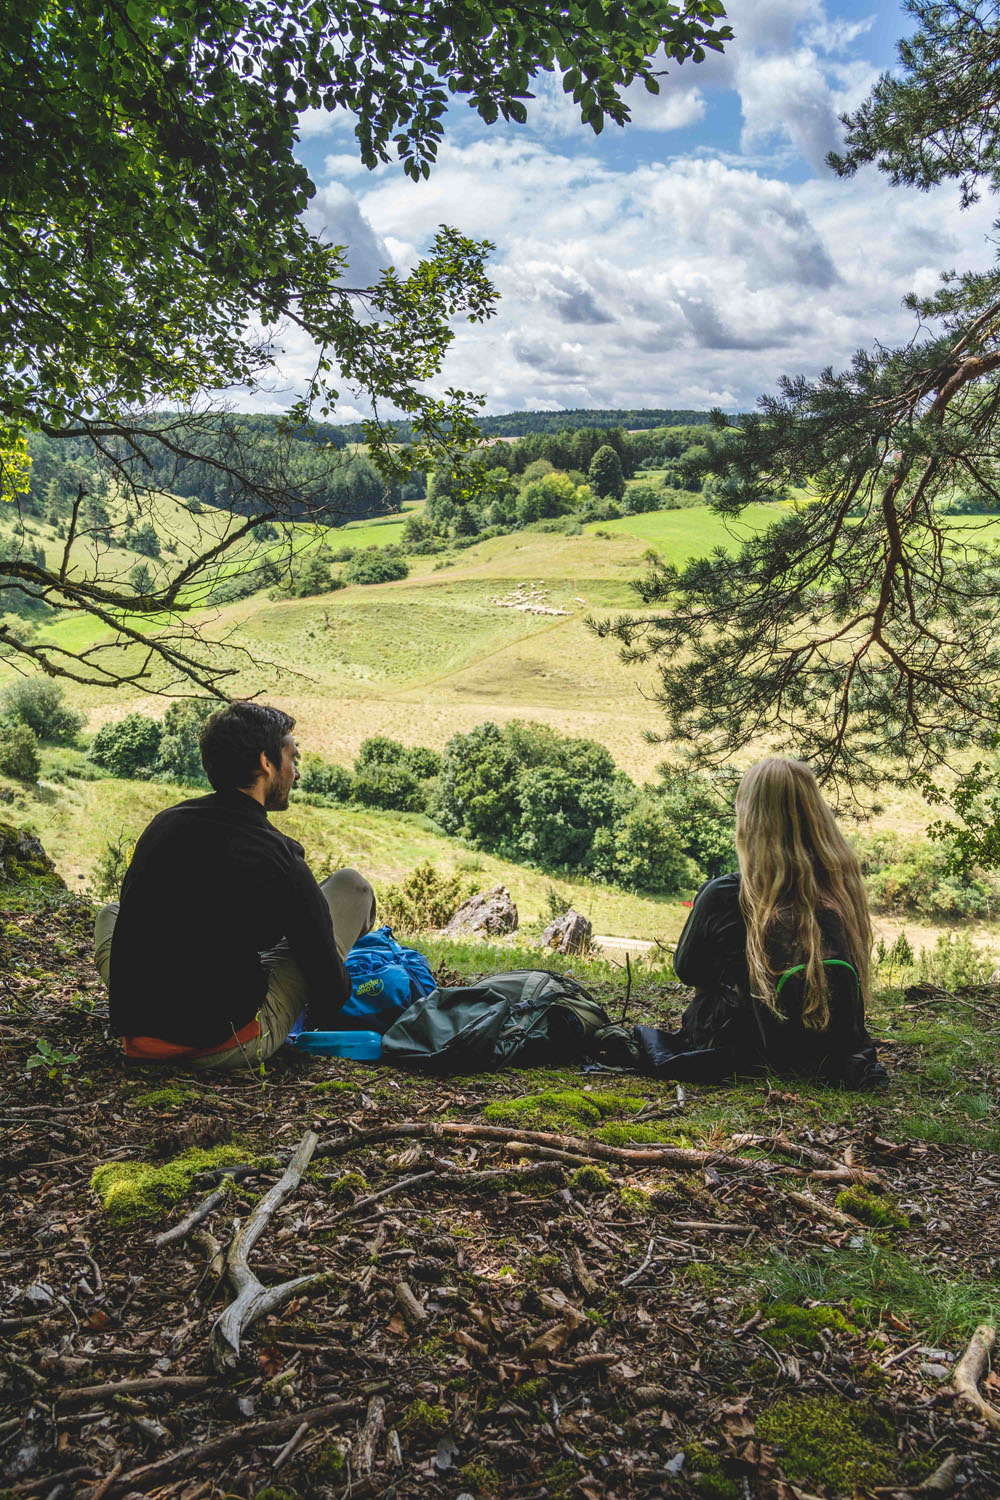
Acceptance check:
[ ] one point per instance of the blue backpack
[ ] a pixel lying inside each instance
(385, 979)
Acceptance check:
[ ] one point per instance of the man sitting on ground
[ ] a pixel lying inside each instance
(222, 935)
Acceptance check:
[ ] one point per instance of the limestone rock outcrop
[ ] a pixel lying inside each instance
(490, 913)
(23, 861)
(570, 933)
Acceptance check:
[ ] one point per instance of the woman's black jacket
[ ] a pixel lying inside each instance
(724, 1030)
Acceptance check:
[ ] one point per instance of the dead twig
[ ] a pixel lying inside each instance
(825, 1167)
(394, 1187)
(293, 1443)
(147, 1386)
(363, 1453)
(634, 1275)
(413, 1309)
(183, 1229)
(821, 1210)
(101, 1489)
(684, 1157)
(970, 1370)
(242, 1437)
(253, 1300)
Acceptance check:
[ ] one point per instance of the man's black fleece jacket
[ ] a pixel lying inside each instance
(210, 886)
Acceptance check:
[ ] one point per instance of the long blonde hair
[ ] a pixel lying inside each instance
(795, 864)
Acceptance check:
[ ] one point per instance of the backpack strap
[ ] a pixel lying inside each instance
(840, 963)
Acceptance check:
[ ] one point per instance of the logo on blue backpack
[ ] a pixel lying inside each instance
(385, 978)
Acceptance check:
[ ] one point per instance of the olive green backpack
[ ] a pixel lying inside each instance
(526, 1017)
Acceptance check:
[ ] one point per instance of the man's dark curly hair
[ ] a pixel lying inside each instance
(232, 739)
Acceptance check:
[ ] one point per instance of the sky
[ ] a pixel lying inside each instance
(687, 260)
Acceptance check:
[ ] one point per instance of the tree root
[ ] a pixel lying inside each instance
(253, 1300)
(970, 1370)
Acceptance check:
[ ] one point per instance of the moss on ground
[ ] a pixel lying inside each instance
(553, 1109)
(590, 1180)
(562, 1109)
(348, 1185)
(133, 1190)
(823, 1440)
(708, 1477)
(560, 1478)
(424, 1420)
(804, 1326)
(483, 1478)
(166, 1098)
(871, 1208)
(334, 1086)
(328, 1464)
(623, 1133)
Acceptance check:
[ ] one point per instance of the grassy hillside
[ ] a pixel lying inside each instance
(441, 651)
(432, 655)
(75, 819)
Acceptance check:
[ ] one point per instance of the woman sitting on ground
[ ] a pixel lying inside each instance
(779, 953)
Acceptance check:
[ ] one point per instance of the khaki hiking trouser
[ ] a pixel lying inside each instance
(352, 906)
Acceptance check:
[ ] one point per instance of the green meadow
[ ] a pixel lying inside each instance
(75, 819)
(425, 658)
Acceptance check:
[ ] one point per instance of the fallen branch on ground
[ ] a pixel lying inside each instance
(826, 1168)
(244, 1437)
(363, 1453)
(183, 1229)
(147, 1386)
(822, 1210)
(970, 1370)
(683, 1157)
(253, 1300)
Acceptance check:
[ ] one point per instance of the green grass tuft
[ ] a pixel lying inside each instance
(871, 1280)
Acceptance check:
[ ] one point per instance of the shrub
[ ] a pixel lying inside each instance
(390, 775)
(325, 779)
(129, 747)
(642, 850)
(19, 751)
(474, 793)
(312, 576)
(640, 498)
(423, 763)
(424, 899)
(38, 702)
(559, 813)
(702, 817)
(178, 757)
(529, 792)
(912, 877)
(376, 565)
(112, 862)
(955, 961)
(393, 787)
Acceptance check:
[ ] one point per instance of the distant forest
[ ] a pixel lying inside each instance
(515, 424)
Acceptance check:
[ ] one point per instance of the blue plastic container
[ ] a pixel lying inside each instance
(362, 1046)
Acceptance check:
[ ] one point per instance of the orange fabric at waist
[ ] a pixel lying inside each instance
(152, 1049)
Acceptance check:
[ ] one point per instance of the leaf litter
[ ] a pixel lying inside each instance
(488, 1310)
